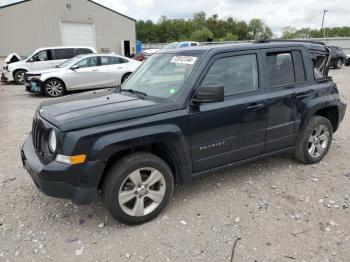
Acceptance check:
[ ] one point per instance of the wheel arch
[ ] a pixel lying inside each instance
(18, 69)
(169, 146)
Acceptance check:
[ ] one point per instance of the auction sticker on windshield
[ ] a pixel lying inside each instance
(189, 60)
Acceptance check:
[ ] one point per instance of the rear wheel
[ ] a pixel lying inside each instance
(339, 63)
(125, 77)
(54, 88)
(137, 188)
(18, 77)
(315, 140)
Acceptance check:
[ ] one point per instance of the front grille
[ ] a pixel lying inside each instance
(40, 136)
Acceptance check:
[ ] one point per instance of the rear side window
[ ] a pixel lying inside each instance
(83, 51)
(64, 53)
(111, 60)
(281, 69)
(319, 62)
(238, 74)
(299, 67)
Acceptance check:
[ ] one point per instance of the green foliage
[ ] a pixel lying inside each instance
(291, 32)
(257, 29)
(202, 35)
(200, 28)
(229, 37)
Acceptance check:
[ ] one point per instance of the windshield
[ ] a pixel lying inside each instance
(162, 75)
(171, 45)
(69, 61)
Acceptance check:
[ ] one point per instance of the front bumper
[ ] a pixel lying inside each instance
(75, 182)
(341, 111)
(34, 86)
(6, 76)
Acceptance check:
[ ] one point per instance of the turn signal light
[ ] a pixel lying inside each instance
(72, 160)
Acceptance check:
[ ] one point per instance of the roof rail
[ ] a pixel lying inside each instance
(289, 40)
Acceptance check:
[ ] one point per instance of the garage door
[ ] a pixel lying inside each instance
(82, 34)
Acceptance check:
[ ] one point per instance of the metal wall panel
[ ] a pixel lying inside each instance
(37, 23)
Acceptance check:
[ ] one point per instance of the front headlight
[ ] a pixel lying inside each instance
(52, 141)
(31, 77)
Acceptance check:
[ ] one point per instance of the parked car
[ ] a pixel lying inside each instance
(90, 71)
(184, 113)
(338, 58)
(42, 58)
(148, 52)
(347, 63)
(181, 44)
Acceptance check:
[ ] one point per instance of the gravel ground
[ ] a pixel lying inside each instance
(280, 209)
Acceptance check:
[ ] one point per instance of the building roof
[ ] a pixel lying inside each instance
(91, 1)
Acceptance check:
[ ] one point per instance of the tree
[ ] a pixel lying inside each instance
(257, 29)
(202, 35)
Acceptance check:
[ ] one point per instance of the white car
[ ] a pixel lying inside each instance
(90, 71)
(42, 58)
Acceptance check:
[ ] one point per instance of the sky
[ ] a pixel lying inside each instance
(276, 13)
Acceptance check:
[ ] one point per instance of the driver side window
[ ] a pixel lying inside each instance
(88, 62)
(238, 74)
(44, 55)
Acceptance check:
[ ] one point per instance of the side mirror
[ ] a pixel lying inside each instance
(74, 67)
(209, 93)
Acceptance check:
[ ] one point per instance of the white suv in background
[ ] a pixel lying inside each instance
(82, 72)
(42, 58)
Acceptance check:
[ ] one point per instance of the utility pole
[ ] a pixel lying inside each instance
(323, 29)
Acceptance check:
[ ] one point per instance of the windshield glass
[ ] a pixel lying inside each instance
(69, 61)
(162, 75)
(171, 45)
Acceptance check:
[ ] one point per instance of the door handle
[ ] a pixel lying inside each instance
(120, 67)
(254, 107)
(94, 70)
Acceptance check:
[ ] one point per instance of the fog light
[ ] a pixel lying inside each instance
(71, 160)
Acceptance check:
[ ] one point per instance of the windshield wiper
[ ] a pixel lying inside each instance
(135, 92)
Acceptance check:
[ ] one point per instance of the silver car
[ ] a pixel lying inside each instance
(81, 72)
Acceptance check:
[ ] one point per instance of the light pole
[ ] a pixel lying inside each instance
(323, 29)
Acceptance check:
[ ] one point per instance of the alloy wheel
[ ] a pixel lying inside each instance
(20, 77)
(54, 88)
(318, 141)
(142, 191)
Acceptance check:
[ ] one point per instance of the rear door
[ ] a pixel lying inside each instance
(117, 68)
(62, 54)
(232, 130)
(285, 75)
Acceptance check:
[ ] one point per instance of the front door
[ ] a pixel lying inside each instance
(232, 130)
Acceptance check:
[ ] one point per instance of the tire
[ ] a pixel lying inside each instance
(339, 63)
(314, 141)
(54, 88)
(18, 76)
(138, 203)
(125, 77)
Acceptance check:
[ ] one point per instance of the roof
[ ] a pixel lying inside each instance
(246, 46)
(91, 1)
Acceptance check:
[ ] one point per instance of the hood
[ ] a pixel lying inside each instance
(97, 108)
(43, 71)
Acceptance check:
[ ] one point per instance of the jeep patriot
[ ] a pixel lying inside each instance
(184, 113)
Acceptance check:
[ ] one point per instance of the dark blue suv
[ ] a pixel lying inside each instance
(184, 113)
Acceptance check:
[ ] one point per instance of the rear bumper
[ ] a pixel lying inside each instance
(77, 183)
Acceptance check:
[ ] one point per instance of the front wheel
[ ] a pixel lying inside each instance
(137, 188)
(18, 77)
(315, 140)
(54, 88)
